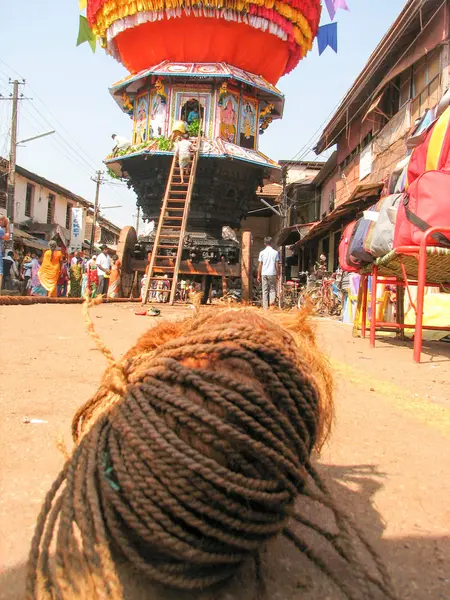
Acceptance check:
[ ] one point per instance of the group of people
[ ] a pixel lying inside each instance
(56, 274)
(99, 274)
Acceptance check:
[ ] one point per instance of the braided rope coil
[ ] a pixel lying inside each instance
(190, 458)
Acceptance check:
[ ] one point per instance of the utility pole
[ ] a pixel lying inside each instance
(12, 156)
(98, 181)
(284, 212)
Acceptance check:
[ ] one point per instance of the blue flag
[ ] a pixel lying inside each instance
(327, 36)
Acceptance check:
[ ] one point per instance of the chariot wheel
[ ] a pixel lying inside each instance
(127, 241)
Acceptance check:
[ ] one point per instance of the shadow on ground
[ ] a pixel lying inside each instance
(418, 565)
(432, 351)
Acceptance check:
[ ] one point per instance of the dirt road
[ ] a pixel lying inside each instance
(387, 461)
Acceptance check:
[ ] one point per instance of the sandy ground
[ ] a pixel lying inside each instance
(387, 461)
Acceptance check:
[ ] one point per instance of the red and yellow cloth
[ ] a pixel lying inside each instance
(433, 154)
(293, 22)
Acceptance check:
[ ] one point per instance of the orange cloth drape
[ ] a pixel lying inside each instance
(203, 40)
(49, 271)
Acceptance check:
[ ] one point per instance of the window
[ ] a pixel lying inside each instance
(50, 208)
(68, 209)
(426, 85)
(404, 82)
(29, 200)
(191, 111)
(332, 199)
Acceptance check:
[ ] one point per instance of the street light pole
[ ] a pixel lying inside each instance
(36, 137)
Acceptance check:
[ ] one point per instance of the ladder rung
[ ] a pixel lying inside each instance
(159, 278)
(179, 184)
(165, 268)
(166, 246)
(178, 191)
(175, 208)
(163, 256)
(170, 218)
(170, 227)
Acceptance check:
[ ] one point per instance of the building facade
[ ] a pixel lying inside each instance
(43, 211)
(405, 76)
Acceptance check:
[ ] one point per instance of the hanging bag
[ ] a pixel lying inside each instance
(382, 240)
(345, 261)
(427, 204)
(357, 250)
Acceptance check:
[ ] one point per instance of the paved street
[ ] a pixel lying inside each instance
(387, 461)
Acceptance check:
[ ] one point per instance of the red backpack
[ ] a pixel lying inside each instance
(345, 261)
(425, 205)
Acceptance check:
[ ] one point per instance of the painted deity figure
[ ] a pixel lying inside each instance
(248, 126)
(158, 116)
(141, 122)
(228, 120)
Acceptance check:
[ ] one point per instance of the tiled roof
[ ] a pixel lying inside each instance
(272, 190)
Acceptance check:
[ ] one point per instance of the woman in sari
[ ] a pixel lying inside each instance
(114, 279)
(76, 277)
(50, 268)
(34, 285)
(92, 277)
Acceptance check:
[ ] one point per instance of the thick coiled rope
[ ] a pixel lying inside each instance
(190, 458)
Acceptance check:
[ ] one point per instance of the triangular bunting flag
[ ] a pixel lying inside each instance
(341, 4)
(85, 34)
(327, 36)
(82, 4)
(333, 5)
(331, 8)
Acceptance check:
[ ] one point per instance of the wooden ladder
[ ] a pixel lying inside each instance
(172, 227)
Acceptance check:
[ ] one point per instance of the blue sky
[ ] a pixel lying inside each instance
(69, 87)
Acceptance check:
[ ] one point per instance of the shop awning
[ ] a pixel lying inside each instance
(291, 235)
(28, 240)
(362, 197)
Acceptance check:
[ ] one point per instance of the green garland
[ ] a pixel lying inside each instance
(193, 128)
(163, 145)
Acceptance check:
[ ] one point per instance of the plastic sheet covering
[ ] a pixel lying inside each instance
(436, 312)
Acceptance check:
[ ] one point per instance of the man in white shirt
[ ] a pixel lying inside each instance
(103, 267)
(121, 143)
(183, 149)
(268, 272)
(74, 259)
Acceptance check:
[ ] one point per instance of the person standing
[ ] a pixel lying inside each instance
(4, 236)
(114, 280)
(104, 268)
(36, 288)
(10, 271)
(74, 259)
(50, 269)
(63, 279)
(268, 272)
(92, 278)
(76, 278)
(26, 273)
